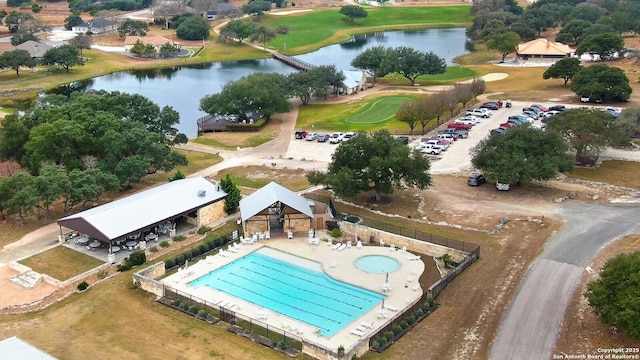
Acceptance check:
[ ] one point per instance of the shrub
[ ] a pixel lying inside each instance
(176, 302)
(125, 266)
(193, 253)
(351, 218)
(203, 314)
(332, 224)
(101, 274)
(210, 317)
(154, 249)
(389, 334)
(193, 309)
(411, 319)
(419, 313)
(203, 248)
(137, 258)
(179, 238)
(219, 241)
(281, 345)
(164, 244)
(83, 286)
(211, 244)
(404, 324)
(336, 233)
(203, 230)
(383, 340)
(180, 259)
(376, 345)
(184, 306)
(397, 329)
(169, 263)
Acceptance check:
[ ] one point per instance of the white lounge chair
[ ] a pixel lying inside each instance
(358, 332)
(392, 247)
(404, 249)
(232, 249)
(336, 246)
(349, 243)
(289, 234)
(359, 244)
(413, 257)
(391, 307)
(415, 287)
(223, 253)
(382, 242)
(410, 279)
(366, 325)
(267, 235)
(342, 247)
(330, 241)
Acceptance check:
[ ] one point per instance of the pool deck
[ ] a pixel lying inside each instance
(340, 265)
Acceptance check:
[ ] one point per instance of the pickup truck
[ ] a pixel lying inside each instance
(484, 113)
(462, 134)
(430, 149)
(459, 126)
(434, 143)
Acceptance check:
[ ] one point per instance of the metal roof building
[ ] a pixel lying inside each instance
(146, 209)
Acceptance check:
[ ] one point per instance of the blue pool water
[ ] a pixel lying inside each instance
(294, 287)
(377, 264)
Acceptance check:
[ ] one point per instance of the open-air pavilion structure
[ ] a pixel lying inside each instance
(193, 201)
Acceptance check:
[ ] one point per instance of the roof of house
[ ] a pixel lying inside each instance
(16, 348)
(352, 78)
(543, 47)
(97, 22)
(269, 195)
(144, 209)
(155, 40)
(35, 49)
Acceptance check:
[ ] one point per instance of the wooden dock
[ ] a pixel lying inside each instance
(293, 62)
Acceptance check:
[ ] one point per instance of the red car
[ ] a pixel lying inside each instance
(459, 126)
(507, 125)
(541, 107)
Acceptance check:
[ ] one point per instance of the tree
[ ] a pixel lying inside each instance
(370, 59)
(16, 59)
(411, 63)
(373, 162)
(572, 31)
(232, 201)
(602, 81)
(241, 29)
(17, 21)
(526, 32)
(194, 28)
(71, 21)
(264, 93)
(86, 186)
(81, 41)
(409, 113)
(131, 27)
(283, 30)
(521, 155)
(22, 195)
(588, 131)
(167, 50)
(430, 108)
(301, 84)
(353, 12)
(256, 7)
(614, 296)
(22, 37)
(505, 43)
(604, 45)
(263, 35)
(143, 50)
(564, 69)
(66, 56)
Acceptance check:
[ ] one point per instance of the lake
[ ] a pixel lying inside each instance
(183, 87)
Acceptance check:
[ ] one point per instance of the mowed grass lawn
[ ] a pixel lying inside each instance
(61, 263)
(312, 30)
(363, 115)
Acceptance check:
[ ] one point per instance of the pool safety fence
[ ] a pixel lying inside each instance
(420, 235)
(279, 337)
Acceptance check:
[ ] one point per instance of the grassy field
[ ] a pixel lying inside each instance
(256, 177)
(311, 30)
(61, 263)
(378, 111)
(615, 172)
(334, 115)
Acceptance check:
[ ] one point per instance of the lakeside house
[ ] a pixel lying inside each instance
(156, 41)
(542, 50)
(96, 26)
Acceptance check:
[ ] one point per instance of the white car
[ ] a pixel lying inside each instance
(466, 121)
(311, 136)
(348, 136)
(335, 138)
(616, 110)
(472, 118)
(435, 143)
(480, 112)
(449, 137)
(430, 149)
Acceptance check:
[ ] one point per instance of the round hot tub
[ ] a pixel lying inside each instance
(377, 264)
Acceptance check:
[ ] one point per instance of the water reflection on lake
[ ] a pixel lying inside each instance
(183, 87)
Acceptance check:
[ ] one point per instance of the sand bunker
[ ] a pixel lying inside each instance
(288, 12)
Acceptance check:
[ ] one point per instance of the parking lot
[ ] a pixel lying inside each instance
(455, 160)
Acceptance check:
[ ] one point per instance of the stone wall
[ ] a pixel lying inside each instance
(365, 234)
(256, 223)
(211, 213)
(145, 279)
(298, 222)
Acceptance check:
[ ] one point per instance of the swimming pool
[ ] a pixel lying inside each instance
(377, 264)
(294, 287)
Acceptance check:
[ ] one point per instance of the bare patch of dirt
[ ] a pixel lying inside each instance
(581, 331)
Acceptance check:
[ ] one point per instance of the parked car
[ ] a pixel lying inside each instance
(311, 136)
(348, 135)
(541, 107)
(430, 149)
(516, 122)
(557, 108)
(508, 124)
(300, 134)
(404, 140)
(502, 186)
(466, 121)
(522, 118)
(499, 130)
(614, 114)
(335, 138)
(473, 118)
(435, 143)
(613, 109)
(534, 110)
(462, 134)
(490, 106)
(532, 114)
(585, 99)
(450, 137)
(322, 137)
(459, 126)
(476, 179)
(484, 113)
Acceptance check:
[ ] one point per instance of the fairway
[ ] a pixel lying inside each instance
(379, 111)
